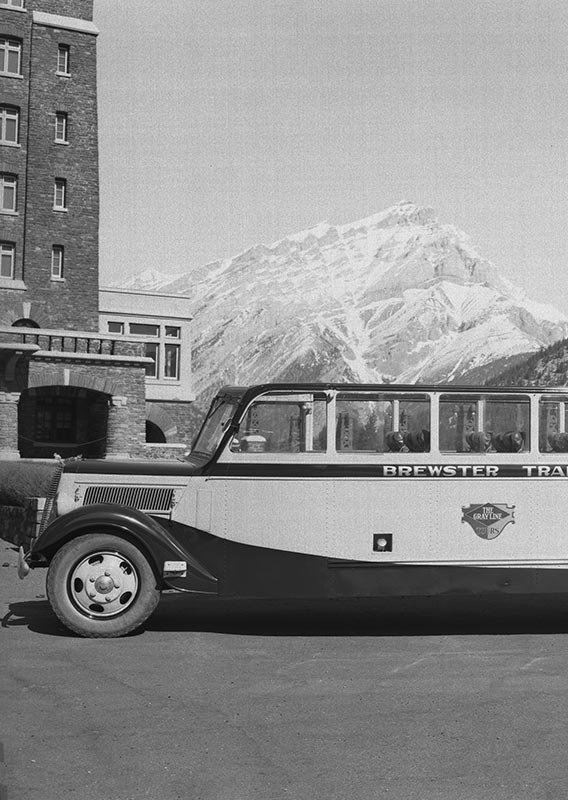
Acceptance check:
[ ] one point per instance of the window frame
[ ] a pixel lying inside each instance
(155, 372)
(63, 117)
(18, 5)
(59, 273)
(553, 442)
(169, 347)
(391, 441)
(60, 185)
(5, 179)
(161, 338)
(489, 441)
(63, 54)
(10, 44)
(7, 112)
(8, 248)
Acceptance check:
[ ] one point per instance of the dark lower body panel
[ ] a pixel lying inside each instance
(247, 571)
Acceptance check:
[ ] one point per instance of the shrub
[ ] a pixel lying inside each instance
(22, 479)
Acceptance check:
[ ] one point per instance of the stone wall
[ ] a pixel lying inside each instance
(180, 422)
(18, 524)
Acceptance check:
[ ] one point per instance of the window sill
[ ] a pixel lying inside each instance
(16, 75)
(9, 7)
(10, 144)
(6, 212)
(57, 280)
(63, 74)
(61, 210)
(163, 381)
(60, 141)
(12, 283)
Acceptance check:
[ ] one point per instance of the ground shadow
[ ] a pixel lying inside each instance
(377, 617)
(37, 616)
(543, 614)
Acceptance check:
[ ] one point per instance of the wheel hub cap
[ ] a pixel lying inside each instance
(103, 584)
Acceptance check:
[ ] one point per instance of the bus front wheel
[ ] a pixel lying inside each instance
(101, 586)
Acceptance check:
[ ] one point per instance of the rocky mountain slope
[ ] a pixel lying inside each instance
(548, 367)
(398, 296)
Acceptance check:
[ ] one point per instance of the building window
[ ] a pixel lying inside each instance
(8, 192)
(56, 420)
(7, 259)
(10, 56)
(63, 59)
(60, 194)
(142, 329)
(12, 3)
(152, 351)
(61, 127)
(165, 354)
(171, 361)
(9, 124)
(57, 258)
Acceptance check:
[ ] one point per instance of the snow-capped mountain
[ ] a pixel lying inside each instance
(398, 296)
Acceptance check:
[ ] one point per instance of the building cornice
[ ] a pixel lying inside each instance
(65, 23)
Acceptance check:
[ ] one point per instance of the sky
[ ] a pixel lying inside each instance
(226, 123)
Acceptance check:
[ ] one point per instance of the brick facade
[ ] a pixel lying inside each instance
(79, 9)
(72, 301)
(179, 421)
(83, 383)
(95, 385)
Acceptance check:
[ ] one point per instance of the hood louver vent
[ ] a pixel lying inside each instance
(153, 500)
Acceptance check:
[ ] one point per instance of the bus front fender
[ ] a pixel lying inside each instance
(152, 537)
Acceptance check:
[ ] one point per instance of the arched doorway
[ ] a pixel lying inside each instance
(25, 323)
(154, 434)
(161, 427)
(66, 420)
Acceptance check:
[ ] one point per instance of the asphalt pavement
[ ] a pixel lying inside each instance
(453, 700)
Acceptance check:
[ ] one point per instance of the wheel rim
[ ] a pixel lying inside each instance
(103, 584)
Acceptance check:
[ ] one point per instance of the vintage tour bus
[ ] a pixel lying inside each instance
(318, 491)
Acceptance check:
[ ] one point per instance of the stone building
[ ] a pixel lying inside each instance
(70, 383)
(164, 323)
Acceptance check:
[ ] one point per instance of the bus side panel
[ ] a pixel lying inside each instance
(430, 520)
(426, 518)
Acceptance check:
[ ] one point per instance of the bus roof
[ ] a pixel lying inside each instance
(237, 393)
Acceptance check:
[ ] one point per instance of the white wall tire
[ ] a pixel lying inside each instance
(102, 586)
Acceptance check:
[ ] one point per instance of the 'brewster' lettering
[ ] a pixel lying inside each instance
(440, 471)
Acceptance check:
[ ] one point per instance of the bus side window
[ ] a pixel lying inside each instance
(507, 419)
(382, 423)
(287, 425)
(484, 424)
(553, 428)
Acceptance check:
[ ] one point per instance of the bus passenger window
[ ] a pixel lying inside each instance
(553, 427)
(283, 424)
(484, 424)
(382, 423)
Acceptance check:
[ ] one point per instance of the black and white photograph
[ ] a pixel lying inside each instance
(283, 399)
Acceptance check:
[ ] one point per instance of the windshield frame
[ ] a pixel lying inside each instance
(213, 428)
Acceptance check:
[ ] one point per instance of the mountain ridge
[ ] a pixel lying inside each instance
(396, 296)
